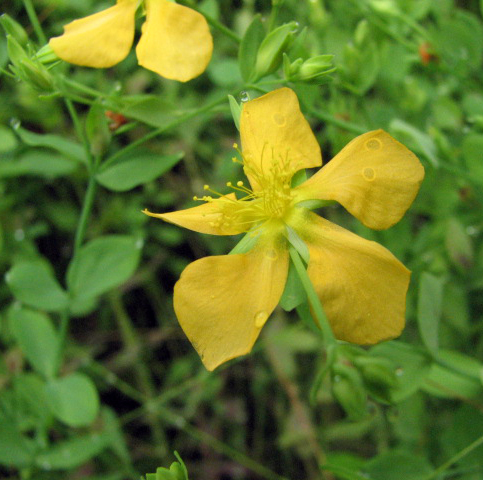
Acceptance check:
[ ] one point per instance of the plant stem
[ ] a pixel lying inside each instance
(313, 298)
(213, 22)
(34, 21)
(455, 458)
(163, 129)
(79, 130)
(329, 118)
(86, 211)
(178, 421)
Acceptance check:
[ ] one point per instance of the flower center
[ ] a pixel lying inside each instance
(271, 201)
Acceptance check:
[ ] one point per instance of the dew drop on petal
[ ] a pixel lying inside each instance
(271, 254)
(260, 319)
(373, 144)
(15, 123)
(19, 235)
(279, 120)
(369, 174)
(244, 97)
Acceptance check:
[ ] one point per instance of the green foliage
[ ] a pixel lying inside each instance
(97, 380)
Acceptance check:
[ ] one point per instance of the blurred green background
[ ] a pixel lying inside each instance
(129, 389)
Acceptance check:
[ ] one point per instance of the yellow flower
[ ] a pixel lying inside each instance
(222, 302)
(175, 42)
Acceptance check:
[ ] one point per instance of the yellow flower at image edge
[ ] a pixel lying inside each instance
(222, 302)
(175, 42)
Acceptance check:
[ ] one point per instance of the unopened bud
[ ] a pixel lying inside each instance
(348, 389)
(314, 70)
(269, 56)
(379, 376)
(14, 29)
(28, 70)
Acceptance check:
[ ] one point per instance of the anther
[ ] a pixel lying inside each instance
(239, 183)
(206, 187)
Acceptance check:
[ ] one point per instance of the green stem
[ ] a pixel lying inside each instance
(329, 118)
(214, 23)
(164, 128)
(455, 458)
(86, 211)
(35, 21)
(79, 130)
(274, 14)
(63, 330)
(178, 421)
(313, 298)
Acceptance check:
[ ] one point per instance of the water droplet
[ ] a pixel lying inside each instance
(271, 254)
(260, 319)
(337, 378)
(7, 277)
(139, 243)
(279, 120)
(369, 174)
(373, 144)
(295, 27)
(19, 235)
(244, 97)
(46, 465)
(399, 372)
(15, 123)
(117, 86)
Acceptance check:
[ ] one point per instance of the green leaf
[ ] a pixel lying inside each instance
(37, 162)
(471, 149)
(247, 54)
(73, 399)
(33, 283)
(412, 366)
(150, 109)
(8, 141)
(59, 144)
(447, 383)
(36, 337)
(236, 110)
(294, 293)
(16, 450)
(430, 305)
(71, 453)
(393, 465)
(102, 264)
(459, 245)
(31, 404)
(136, 168)
(97, 130)
(415, 139)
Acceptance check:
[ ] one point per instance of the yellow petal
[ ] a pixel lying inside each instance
(274, 133)
(100, 40)
(374, 177)
(361, 285)
(176, 42)
(211, 217)
(223, 302)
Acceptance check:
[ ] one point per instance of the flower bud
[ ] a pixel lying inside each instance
(384, 7)
(348, 389)
(314, 70)
(269, 55)
(379, 376)
(13, 28)
(46, 55)
(28, 70)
